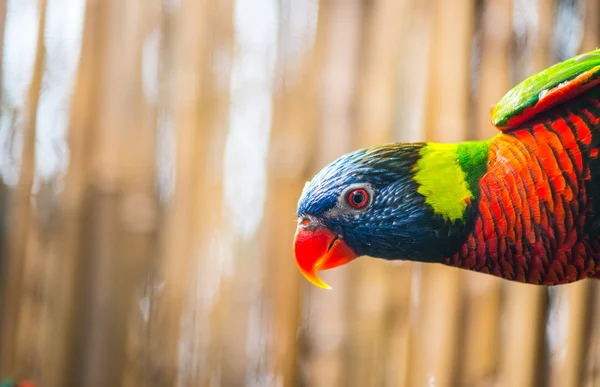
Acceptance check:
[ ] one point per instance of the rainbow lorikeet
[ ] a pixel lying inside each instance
(524, 205)
(14, 383)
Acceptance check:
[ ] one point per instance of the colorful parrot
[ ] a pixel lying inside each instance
(13, 383)
(523, 205)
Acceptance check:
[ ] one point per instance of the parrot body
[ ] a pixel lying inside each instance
(537, 217)
(14, 383)
(524, 205)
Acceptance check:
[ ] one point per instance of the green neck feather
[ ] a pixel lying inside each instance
(448, 176)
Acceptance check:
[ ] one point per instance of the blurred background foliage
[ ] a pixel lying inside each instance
(152, 153)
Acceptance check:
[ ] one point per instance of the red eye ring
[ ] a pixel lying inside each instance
(358, 198)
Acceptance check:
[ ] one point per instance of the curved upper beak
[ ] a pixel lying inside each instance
(319, 249)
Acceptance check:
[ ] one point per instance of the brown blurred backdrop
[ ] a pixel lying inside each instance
(152, 153)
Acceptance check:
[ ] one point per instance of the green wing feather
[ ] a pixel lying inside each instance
(524, 101)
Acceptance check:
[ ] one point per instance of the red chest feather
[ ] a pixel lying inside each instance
(536, 200)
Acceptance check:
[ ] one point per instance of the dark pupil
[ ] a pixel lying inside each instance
(358, 198)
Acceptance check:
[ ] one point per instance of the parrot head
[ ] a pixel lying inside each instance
(364, 203)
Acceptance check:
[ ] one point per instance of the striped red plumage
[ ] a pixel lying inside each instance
(532, 224)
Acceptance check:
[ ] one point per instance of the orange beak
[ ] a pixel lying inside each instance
(320, 249)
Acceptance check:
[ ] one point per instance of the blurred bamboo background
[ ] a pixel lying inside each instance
(152, 153)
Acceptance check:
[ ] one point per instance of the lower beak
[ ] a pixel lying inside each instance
(320, 249)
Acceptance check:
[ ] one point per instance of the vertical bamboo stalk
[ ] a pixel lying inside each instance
(340, 30)
(437, 324)
(122, 193)
(102, 354)
(522, 353)
(449, 94)
(412, 74)
(205, 321)
(293, 135)
(591, 29)
(397, 326)
(3, 231)
(21, 215)
(288, 164)
(571, 334)
(64, 365)
(3, 11)
(543, 55)
(4, 201)
(246, 321)
(482, 329)
(189, 103)
(376, 93)
(341, 22)
(138, 204)
(591, 376)
(375, 104)
(410, 108)
(493, 75)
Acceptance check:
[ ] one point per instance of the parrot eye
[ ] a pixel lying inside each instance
(358, 198)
